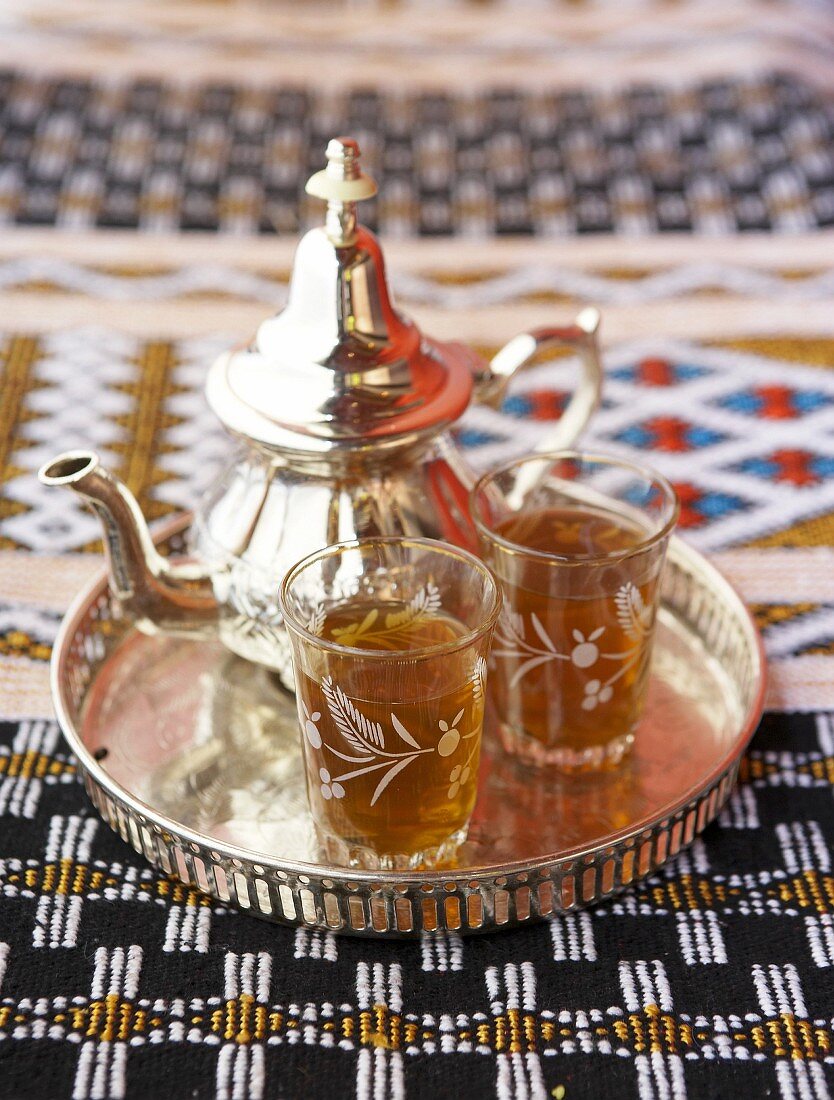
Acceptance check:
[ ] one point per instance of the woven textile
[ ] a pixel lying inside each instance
(712, 977)
(718, 156)
(749, 448)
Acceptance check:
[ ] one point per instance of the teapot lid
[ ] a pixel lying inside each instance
(339, 364)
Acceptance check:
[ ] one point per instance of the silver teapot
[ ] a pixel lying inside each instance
(344, 409)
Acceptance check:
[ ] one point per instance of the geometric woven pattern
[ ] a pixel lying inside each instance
(741, 473)
(535, 280)
(739, 994)
(746, 438)
(138, 403)
(716, 156)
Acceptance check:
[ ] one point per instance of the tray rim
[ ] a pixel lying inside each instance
(179, 523)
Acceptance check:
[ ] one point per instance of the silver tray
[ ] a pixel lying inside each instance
(192, 755)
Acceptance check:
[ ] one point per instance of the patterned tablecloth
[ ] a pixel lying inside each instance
(671, 164)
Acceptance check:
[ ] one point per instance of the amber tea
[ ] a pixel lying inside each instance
(395, 777)
(571, 654)
(391, 699)
(580, 657)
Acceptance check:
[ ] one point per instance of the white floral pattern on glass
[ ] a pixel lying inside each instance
(632, 614)
(512, 643)
(633, 617)
(315, 623)
(586, 651)
(330, 788)
(311, 731)
(595, 693)
(365, 742)
(451, 735)
(457, 777)
(479, 682)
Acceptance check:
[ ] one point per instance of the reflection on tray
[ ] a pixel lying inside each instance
(212, 742)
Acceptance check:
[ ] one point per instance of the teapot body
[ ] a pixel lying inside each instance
(267, 511)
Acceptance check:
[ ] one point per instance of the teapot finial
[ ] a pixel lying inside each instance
(342, 183)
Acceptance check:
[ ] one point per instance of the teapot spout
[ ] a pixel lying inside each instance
(160, 596)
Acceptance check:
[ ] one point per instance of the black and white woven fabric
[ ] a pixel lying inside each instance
(710, 979)
(719, 156)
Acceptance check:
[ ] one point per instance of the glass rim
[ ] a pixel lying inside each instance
(435, 545)
(599, 459)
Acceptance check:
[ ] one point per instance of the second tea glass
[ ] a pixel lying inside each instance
(577, 542)
(390, 638)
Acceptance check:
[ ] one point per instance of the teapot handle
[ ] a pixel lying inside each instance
(520, 353)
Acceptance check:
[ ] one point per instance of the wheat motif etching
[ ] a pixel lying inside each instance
(365, 742)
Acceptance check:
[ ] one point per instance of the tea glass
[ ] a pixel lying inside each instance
(390, 638)
(578, 543)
